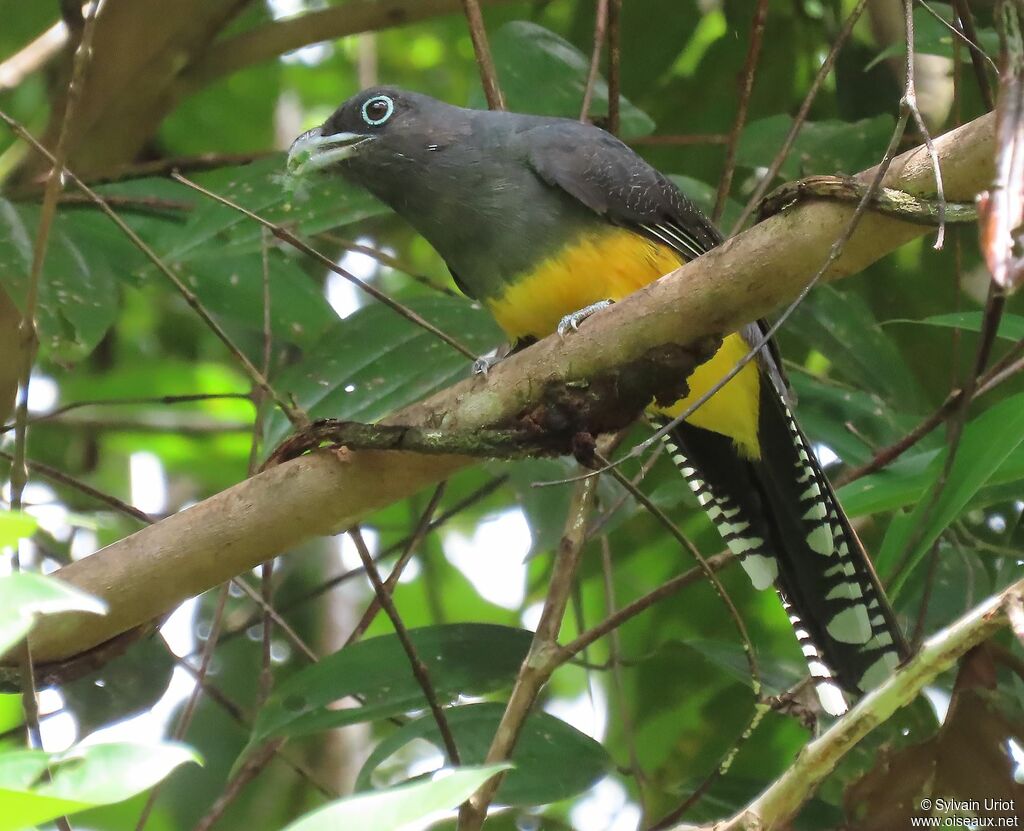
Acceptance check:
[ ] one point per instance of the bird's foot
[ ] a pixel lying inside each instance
(483, 364)
(570, 323)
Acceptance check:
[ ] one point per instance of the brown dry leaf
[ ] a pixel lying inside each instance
(967, 759)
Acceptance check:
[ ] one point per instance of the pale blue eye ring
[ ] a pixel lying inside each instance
(379, 116)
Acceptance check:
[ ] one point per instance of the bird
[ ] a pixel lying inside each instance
(546, 221)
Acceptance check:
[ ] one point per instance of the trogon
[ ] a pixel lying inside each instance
(540, 218)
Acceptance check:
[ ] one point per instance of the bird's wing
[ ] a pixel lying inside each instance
(605, 175)
(601, 172)
(779, 507)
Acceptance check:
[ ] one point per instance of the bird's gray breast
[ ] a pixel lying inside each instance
(480, 205)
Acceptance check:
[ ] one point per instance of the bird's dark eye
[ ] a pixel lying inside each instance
(377, 110)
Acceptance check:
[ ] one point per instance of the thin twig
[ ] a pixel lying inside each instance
(189, 296)
(129, 401)
(909, 101)
(33, 56)
(544, 655)
(419, 669)
(643, 603)
(965, 22)
(600, 32)
(267, 569)
(615, 661)
(800, 118)
(1005, 368)
(185, 719)
(959, 36)
(288, 237)
(29, 338)
(994, 306)
(917, 635)
(388, 260)
(414, 542)
(237, 715)
(679, 140)
(761, 709)
(702, 563)
(482, 50)
(614, 66)
(267, 610)
(746, 85)
(61, 478)
(467, 502)
(253, 765)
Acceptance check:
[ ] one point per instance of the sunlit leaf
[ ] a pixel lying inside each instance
(906, 480)
(80, 778)
(14, 526)
(1011, 327)
(985, 445)
(541, 774)
(23, 596)
(78, 293)
(394, 809)
(464, 658)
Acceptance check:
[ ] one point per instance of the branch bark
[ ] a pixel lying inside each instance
(272, 39)
(148, 573)
(779, 803)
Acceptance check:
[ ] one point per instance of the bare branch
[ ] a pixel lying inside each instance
(482, 49)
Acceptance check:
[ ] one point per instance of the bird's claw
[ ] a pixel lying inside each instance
(571, 322)
(483, 364)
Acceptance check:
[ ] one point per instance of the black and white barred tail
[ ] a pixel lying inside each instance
(780, 516)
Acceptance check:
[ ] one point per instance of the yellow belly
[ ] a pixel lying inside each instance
(609, 266)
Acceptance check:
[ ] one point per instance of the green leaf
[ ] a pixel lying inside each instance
(24, 595)
(841, 325)
(986, 443)
(230, 285)
(11, 714)
(1011, 327)
(932, 37)
(130, 684)
(375, 361)
(826, 411)
(14, 526)
(395, 808)
(465, 658)
(552, 759)
(78, 293)
(320, 203)
(907, 480)
(82, 777)
(820, 147)
(543, 74)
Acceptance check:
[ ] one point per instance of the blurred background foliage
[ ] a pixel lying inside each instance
(869, 359)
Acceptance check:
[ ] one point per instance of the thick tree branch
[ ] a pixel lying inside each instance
(272, 39)
(151, 571)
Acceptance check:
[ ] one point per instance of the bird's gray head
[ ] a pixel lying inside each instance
(375, 127)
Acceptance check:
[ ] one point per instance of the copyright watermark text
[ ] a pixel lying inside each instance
(966, 813)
